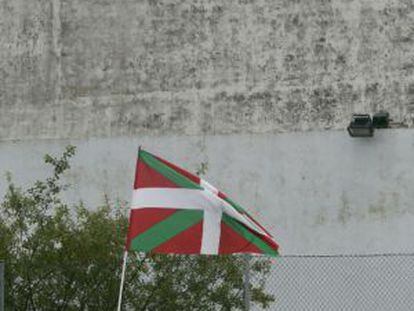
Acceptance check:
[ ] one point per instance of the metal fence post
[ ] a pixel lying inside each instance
(1, 286)
(246, 283)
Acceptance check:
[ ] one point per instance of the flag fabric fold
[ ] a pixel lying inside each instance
(174, 211)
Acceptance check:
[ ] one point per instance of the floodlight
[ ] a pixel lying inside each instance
(361, 126)
(381, 120)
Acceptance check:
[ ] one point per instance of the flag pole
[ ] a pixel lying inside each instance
(121, 288)
(124, 262)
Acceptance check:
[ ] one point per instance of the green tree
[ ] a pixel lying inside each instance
(60, 257)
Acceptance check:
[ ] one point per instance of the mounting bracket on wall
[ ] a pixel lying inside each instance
(362, 125)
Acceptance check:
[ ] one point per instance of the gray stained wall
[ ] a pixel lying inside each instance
(78, 69)
(216, 82)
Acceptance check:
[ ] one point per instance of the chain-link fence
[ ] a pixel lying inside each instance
(357, 282)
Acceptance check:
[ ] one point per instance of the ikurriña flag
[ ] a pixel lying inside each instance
(174, 211)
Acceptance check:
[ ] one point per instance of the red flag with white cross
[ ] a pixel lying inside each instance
(174, 211)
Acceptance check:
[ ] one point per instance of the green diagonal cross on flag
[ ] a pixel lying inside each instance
(174, 211)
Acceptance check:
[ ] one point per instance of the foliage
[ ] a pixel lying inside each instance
(69, 258)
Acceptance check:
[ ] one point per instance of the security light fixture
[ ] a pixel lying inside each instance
(361, 126)
(381, 120)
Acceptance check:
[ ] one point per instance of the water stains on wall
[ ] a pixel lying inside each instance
(74, 69)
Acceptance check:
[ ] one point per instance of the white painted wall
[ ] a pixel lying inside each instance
(318, 192)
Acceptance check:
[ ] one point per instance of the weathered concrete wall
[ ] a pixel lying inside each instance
(83, 68)
(217, 82)
(318, 192)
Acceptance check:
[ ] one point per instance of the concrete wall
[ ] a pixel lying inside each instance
(318, 192)
(75, 69)
(256, 89)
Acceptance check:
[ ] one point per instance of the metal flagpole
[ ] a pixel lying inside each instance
(124, 262)
(121, 287)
